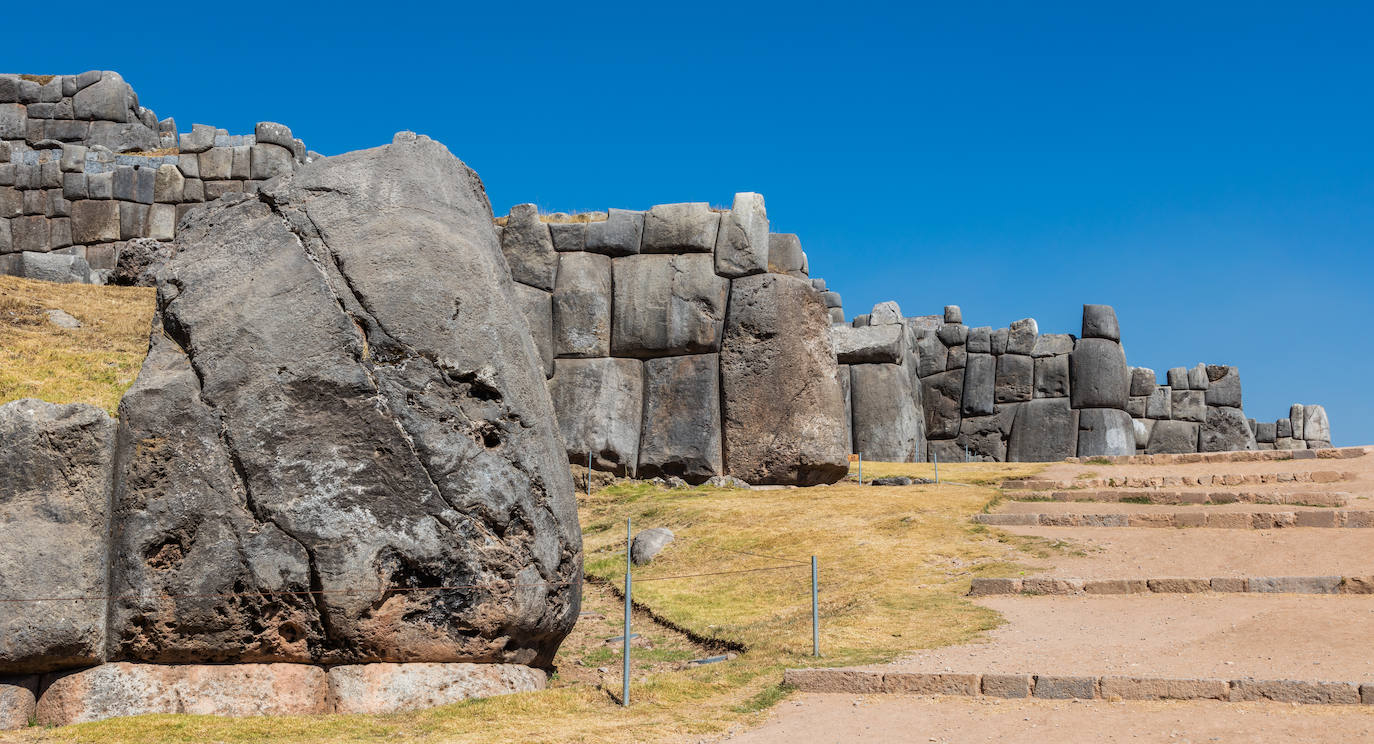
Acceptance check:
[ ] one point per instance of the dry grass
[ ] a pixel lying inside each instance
(561, 218)
(92, 364)
(40, 79)
(894, 562)
(154, 153)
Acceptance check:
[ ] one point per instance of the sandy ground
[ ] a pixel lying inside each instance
(1317, 637)
(825, 718)
(1198, 552)
(1116, 507)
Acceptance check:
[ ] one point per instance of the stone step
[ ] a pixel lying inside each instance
(1306, 497)
(1243, 520)
(1330, 453)
(1049, 585)
(1180, 481)
(1061, 687)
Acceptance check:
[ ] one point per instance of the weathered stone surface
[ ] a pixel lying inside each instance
(1172, 438)
(680, 435)
(1197, 377)
(1136, 688)
(1065, 688)
(985, 436)
(1136, 405)
(952, 334)
(267, 161)
(1052, 376)
(783, 412)
(392, 688)
(1098, 374)
(1188, 405)
(358, 360)
(980, 340)
(110, 99)
(842, 376)
(617, 235)
(1021, 336)
(742, 242)
(885, 313)
(138, 261)
(1045, 430)
(17, 699)
(599, 407)
(888, 426)
(1099, 321)
(953, 314)
(568, 237)
(528, 248)
(689, 227)
(1283, 428)
(980, 375)
(1223, 386)
(1052, 344)
(1105, 432)
(1297, 421)
(537, 306)
(1265, 432)
(582, 306)
(1160, 403)
(1178, 378)
(1142, 381)
(785, 254)
(54, 498)
(668, 304)
(1315, 426)
(942, 395)
(884, 344)
(1143, 427)
(999, 340)
(648, 544)
(124, 689)
(1015, 378)
(95, 221)
(1225, 430)
(931, 355)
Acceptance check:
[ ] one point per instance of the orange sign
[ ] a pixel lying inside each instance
(853, 458)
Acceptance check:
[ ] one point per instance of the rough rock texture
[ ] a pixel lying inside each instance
(1098, 374)
(941, 393)
(980, 376)
(582, 306)
(742, 243)
(528, 247)
(869, 344)
(1099, 321)
(1223, 386)
(783, 412)
(617, 235)
(648, 544)
(17, 700)
(887, 423)
(124, 689)
(680, 434)
(1315, 426)
(54, 513)
(1015, 378)
(667, 304)
(1172, 438)
(139, 261)
(599, 405)
(537, 307)
(689, 227)
(366, 417)
(1052, 376)
(985, 436)
(1105, 431)
(1226, 430)
(391, 688)
(1045, 430)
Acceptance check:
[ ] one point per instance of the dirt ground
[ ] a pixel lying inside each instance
(825, 718)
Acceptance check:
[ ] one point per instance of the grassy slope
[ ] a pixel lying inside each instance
(895, 563)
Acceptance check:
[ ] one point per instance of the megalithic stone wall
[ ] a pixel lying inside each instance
(682, 341)
(84, 169)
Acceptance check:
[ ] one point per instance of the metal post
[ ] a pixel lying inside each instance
(589, 471)
(936, 457)
(966, 453)
(625, 683)
(861, 468)
(815, 612)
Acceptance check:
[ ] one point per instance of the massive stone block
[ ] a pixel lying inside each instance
(985, 436)
(1160, 403)
(785, 254)
(1105, 431)
(1099, 321)
(528, 247)
(56, 462)
(392, 688)
(742, 242)
(1223, 386)
(1044, 430)
(1098, 374)
(1315, 426)
(887, 422)
(1172, 438)
(1021, 336)
(680, 434)
(1188, 405)
(537, 306)
(942, 395)
(884, 344)
(1052, 376)
(599, 403)
(783, 414)
(980, 376)
(931, 355)
(1225, 430)
(1015, 378)
(1298, 420)
(689, 227)
(582, 306)
(668, 305)
(617, 235)
(1143, 381)
(378, 403)
(1052, 344)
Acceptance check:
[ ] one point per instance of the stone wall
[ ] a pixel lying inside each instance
(84, 169)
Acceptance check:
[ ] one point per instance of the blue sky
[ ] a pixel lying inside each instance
(1206, 170)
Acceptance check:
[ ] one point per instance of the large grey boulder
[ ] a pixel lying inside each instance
(599, 403)
(617, 235)
(942, 395)
(1142, 381)
(980, 340)
(1015, 378)
(1143, 428)
(528, 247)
(1172, 438)
(885, 313)
(887, 422)
(742, 242)
(1297, 420)
(985, 436)
(1223, 386)
(1021, 336)
(537, 307)
(783, 411)
(1052, 344)
(1188, 405)
(1098, 374)
(1160, 403)
(1099, 321)
(109, 99)
(980, 376)
(884, 344)
(582, 306)
(1225, 430)
(56, 462)
(1052, 376)
(667, 305)
(648, 544)
(680, 434)
(932, 356)
(1315, 426)
(785, 254)
(1197, 377)
(689, 227)
(355, 336)
(1265, 432)
(1105, 432)
(51, 267)
(1044, 430)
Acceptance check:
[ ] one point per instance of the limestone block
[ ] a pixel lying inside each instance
(842, 375)
(832, 299)
(1283, 428)
(598, 403)
(200, 139)
(32, 233)
(954, 315)
(1315, 426)
(783, 415)
(241, 163)
(1223, 386)
(784, 254)
(1044, 430)
(1136, 405)
(1173, 438)
(1197, 377)
(980, 340)
(1099, 321)
(953, 334)
(13, 121)
(1142, 381)
(162, 221)
(931, 355)
(1160, 403)
(1297, 420)
(1015, 378)
(1225, 430)
(74, 186)
(73, 158)
(109, 99)
(984, 437)
(1105, 432)
(216, 189)
(100, 185)
(95, 221)
(529, 248)
(980, 375)
(122, 137)
(537, 306)
(1178, 378)
(861, 321)
(193, 191)
(681, 431)
(272, 133)
(269, 160)
(1265, 432)
(1143, 429)
(669, 304)
(1097, 373)
(6, 238)
(999, 341)
(568, 236)
(17, 699)
(888, 426)
(216, 163)
(869, 344)
(51, 267)
(582, 305)
(133, 220)
(617, 235)
(942, 394)
(1189, 405)
(836, 315)
(169, 186)
(688, 227)
(393, 688)
(1021, 336)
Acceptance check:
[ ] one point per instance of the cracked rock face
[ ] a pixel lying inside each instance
(341, 425)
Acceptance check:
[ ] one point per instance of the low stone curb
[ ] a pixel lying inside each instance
(1046, 585)
(1328, 453)
(1056, 687)
(1179, 481)
(1213, 520)
(1168, 498)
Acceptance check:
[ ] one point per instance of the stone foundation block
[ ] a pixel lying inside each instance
(1052, 586)
(914, 683)
(1180, 586)
(1065, 688)
(391, 688)
(17, 701)
(1144, 688)
(989, 587)
(1295, 584)
(833, 680)
(1007, 685)
(1116, 586)
(1292, 691)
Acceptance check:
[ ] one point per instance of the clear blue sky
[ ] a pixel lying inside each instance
(1208, 169)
